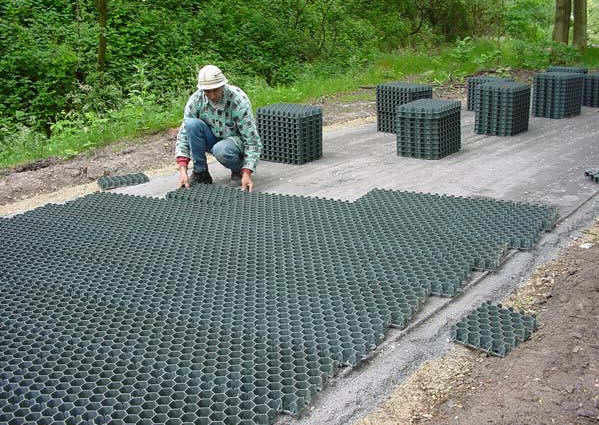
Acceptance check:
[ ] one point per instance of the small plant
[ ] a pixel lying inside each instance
(140, 90)
(504, 71)
(490, 58)
(529, 55)
(462, 50)
(563, 54)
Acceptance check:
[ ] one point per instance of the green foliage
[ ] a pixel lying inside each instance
(537, 55)
(462, 49)
(54, 101)
(48, 66)
(593, 22)
(489, 59)
(563, 54)
(450, 17)
(529, 20)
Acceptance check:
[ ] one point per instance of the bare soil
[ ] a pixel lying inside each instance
(553, 378)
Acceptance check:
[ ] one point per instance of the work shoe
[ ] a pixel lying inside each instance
(203, 177)
(235, 175)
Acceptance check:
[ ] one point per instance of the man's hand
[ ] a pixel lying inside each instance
(246, 182)
(183, 178)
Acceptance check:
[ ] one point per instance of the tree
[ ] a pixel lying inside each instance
(580, 23)
(561, 28)
(102, 6)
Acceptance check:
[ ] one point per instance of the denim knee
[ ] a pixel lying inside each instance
(222, 152)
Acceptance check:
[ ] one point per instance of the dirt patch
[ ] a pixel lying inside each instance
(551, 378)
(521, 75)
(50, 175)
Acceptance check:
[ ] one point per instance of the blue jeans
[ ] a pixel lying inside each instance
(201, 139)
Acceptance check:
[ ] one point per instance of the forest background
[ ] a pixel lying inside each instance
(78, 74)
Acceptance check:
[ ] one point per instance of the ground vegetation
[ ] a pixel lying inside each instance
(76, 75)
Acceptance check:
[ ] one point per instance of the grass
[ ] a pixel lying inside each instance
(141, 117)
(590, 57)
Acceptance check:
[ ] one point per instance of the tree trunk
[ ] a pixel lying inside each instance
(102, 6)
(561, 28)
(580, 24)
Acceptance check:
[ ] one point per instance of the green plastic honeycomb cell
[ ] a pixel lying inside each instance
(391, 95)
(217, 305)
(557, 94)
(112, 182)
(503, 108)
(474, 82)
(290, 133)
(494, 329)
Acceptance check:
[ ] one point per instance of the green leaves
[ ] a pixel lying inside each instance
(462, 49)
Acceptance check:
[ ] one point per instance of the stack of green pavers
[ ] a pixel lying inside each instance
(557, 94)
(429, 128)
(502, 108)
(590, 95)
(391, 95)
(473, 82)
(574, 69)
(590, 92)
(290, 133)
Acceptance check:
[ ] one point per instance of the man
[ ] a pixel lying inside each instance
(218, 119)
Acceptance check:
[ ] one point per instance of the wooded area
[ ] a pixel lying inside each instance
(63, 60)
(563, 20)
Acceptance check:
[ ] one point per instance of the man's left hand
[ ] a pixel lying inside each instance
(246, 182)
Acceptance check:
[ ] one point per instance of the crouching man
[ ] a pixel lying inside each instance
(218, 119)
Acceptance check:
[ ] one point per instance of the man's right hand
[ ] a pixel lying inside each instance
(183, 179)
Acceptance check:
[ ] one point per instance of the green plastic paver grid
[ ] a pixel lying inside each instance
(503, 108)
(428, 128)
(474, 82)
(590, 92)
(494, 329)
(209, 194)
(593, 174)
(290, 133)
(191, 310)
(112, 182)
(391, 95)
(574, 69)
(557, 94)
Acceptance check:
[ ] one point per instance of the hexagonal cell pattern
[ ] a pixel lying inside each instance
(574, 69)
(494, 329)
(474, 82)
(112, 182)
(557, 94)
(217, 306)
